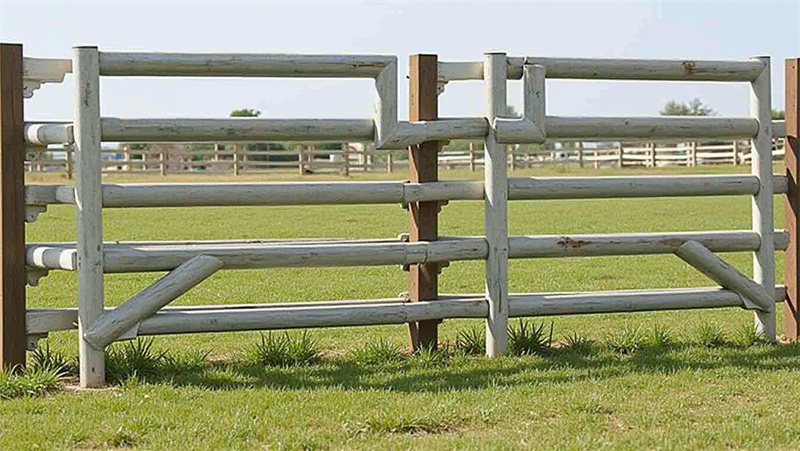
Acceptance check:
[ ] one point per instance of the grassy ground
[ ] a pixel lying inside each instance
(693, 392)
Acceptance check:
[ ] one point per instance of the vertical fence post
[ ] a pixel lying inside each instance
(761, 161)
(235, 159)
(694, 153)
(88, 205)
(621, 162)
(423, 166)
(471, 157)
(579, 144)
(12, 208)
(162, 167)
(735, 152)
(495, 207)
(389, 162)
(68, 162)
(791, 145)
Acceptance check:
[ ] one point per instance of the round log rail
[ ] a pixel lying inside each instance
(226, 318)
(316, 193)
(556, 127)
(615, 69)
(43, 133)
(155, 256)
(241, 65)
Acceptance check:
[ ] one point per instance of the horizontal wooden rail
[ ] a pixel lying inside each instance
(241, 65)
(614, 69)
(227, 318)
(155, 256)
(199, 130)
(317, 193)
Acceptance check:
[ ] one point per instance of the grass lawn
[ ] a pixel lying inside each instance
(705, 388)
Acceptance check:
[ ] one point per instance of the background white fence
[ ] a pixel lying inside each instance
(250, 158)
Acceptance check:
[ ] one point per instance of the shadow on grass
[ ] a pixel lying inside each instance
(467, 373)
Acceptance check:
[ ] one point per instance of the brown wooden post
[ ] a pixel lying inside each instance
(423, 220)
(12, 208)
(791, 325)
(621, 162)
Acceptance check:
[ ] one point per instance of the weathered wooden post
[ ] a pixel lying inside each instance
(791, 325)
(89, 213)
(235, 159)
(579, 145)
(12, 208)
(471, 157)
(162, 167)
(653, 155)
(68, 156)
(693, 154)
(495, 74)
(423, 217)
(762, 208)
(300, 165)
(621, 162)
(735, 152)
(389, 162)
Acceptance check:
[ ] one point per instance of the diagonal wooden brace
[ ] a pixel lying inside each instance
(113, 324)
(753, 295)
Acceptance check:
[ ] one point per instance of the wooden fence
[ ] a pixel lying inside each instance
(241, 158)
(421, 250)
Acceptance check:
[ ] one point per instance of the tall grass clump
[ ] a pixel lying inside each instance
(528, 338)
(626, 340)
(710, 335)
(283, 350)
(46, 359)
(471, 341)
(133, 359)
(27, 383)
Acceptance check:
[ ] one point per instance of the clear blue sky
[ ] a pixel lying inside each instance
(455, 31)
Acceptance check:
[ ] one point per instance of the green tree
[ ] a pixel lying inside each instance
(693, 108)
(245, 112)
(778, 114)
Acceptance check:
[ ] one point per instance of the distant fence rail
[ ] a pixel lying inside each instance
(242, 158)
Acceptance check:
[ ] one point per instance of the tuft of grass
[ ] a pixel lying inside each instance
(376, 353)
(471, 341)
(134, 358)
(527, 338)
(748, 336)
(28, 383)
(284, 350)
(710, 335)
(578, 343)
(429, 356)
(626, 340)
(412, 425)
(46, 359)
(661, 338)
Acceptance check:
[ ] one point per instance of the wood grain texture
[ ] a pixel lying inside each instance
(423, 217)
(791, 326)
(89, 209)
(495, 208)
(762, 202)
(12, 208)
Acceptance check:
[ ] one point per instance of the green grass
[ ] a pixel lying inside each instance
(672, 390)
